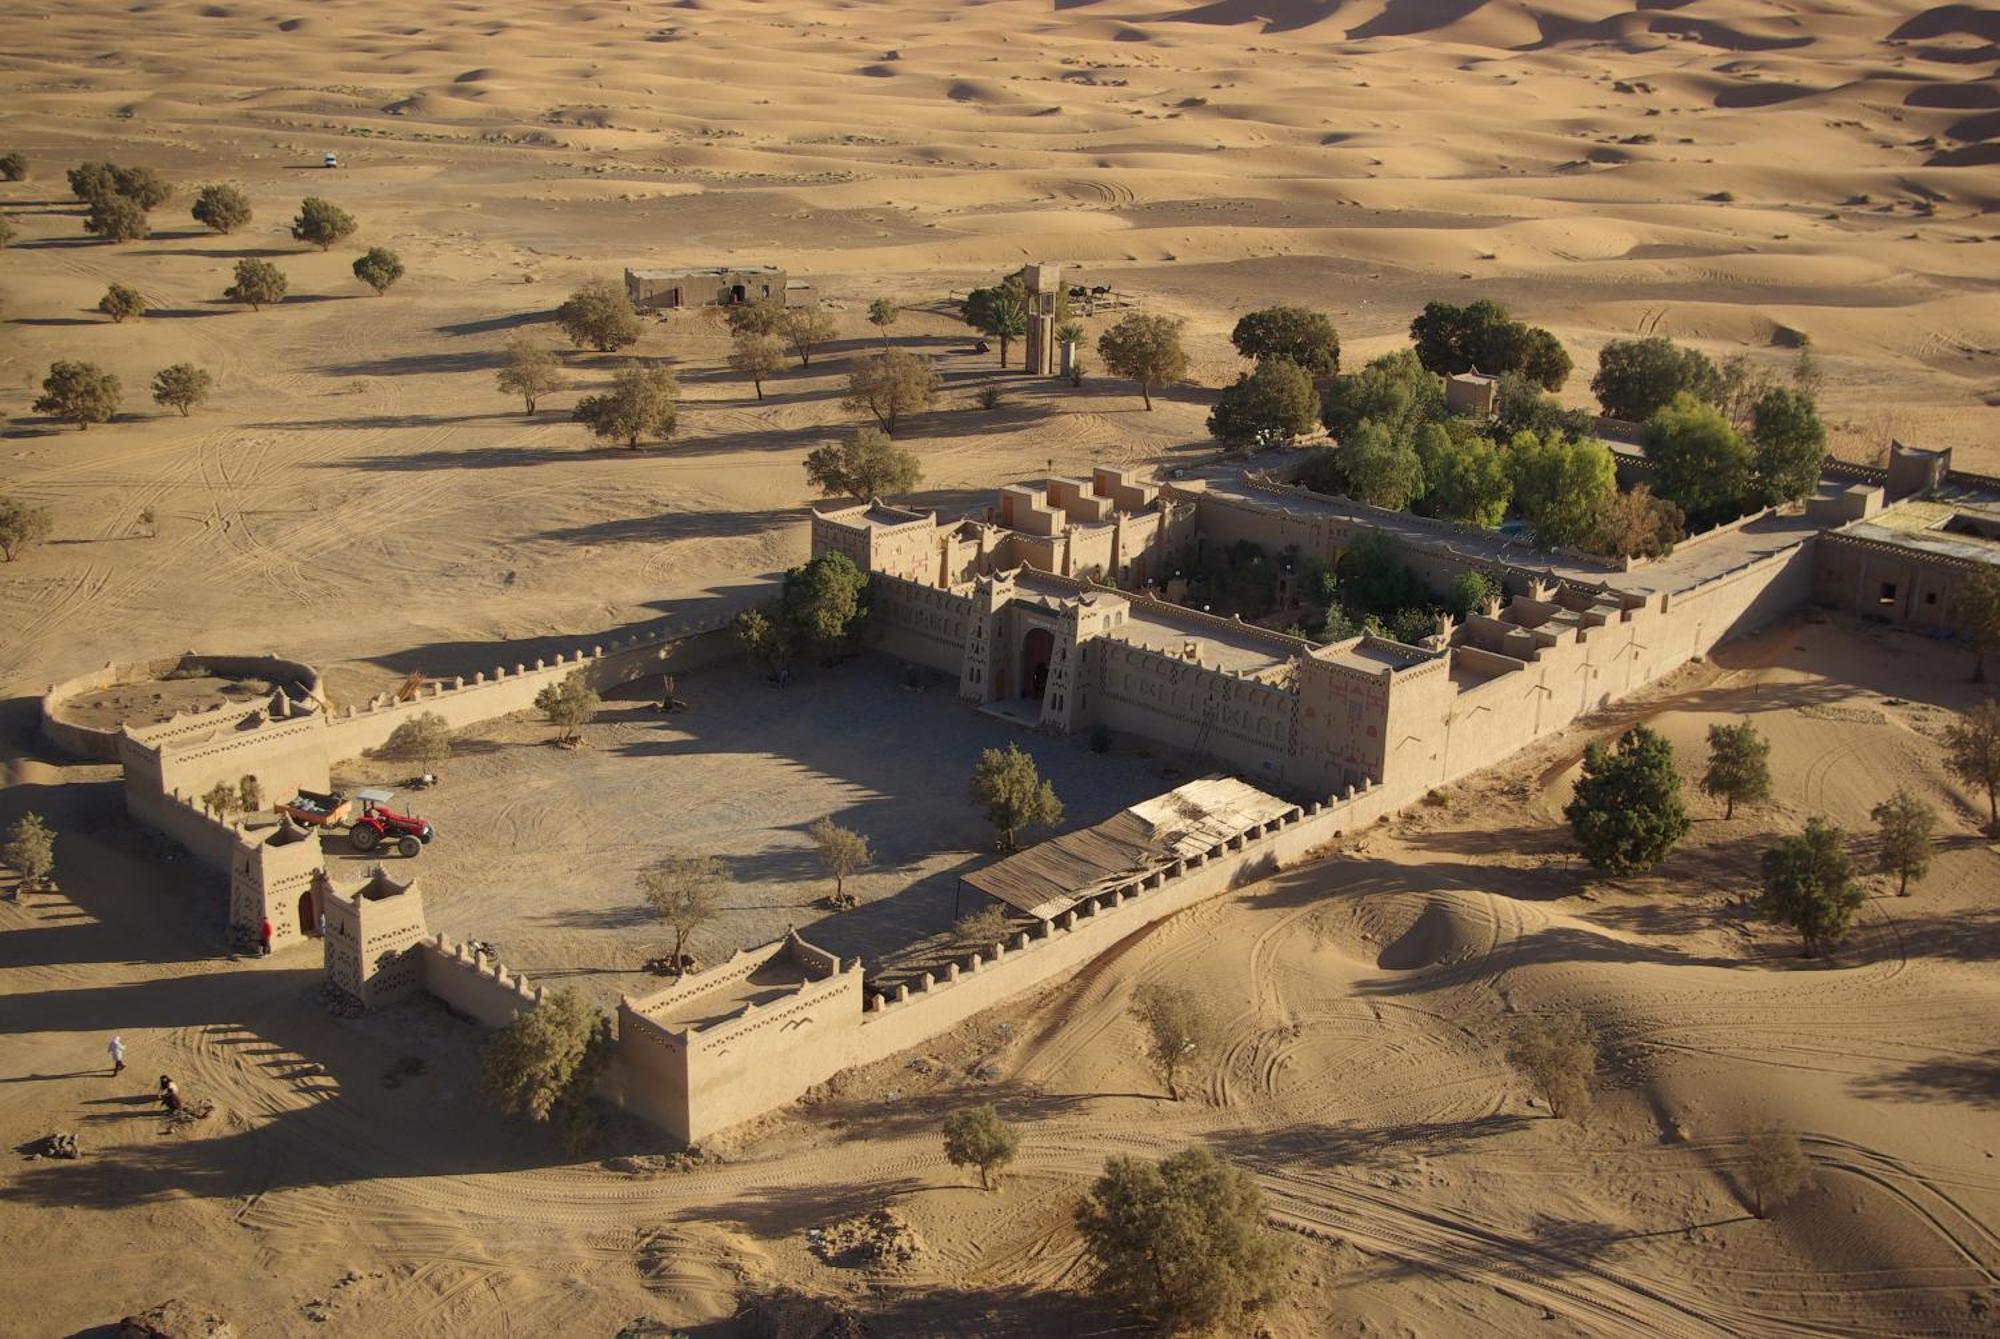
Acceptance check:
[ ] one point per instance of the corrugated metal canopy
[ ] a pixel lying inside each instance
(1047, 880)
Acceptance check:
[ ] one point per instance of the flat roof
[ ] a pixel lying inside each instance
(717, 270)
(1916, 524)
(1047, 880)
(1155, 626)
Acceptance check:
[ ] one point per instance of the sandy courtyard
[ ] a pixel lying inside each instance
(541, 846)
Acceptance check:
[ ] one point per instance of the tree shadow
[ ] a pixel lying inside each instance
(673, 525)
(228, 252)
(47, 321)
(189, 313)
(1973, 1079)
(417, 364)
(1325, 1147)
(380, 421)
(490, 324)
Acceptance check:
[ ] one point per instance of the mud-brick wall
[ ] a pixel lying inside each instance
(268, 878)
(919, 623)
(1190, 706)
(472, 984)
(772, 1053)
(283, 755)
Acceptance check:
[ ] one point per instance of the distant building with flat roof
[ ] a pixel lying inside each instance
(713, 286)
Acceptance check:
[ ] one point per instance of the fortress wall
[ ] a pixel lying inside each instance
(1733, 604)
(983, 981)
(648, 1073)
(1145, 692)
(283, 754)
(473, 985)
(769, 1054)
(919, 623)
(182, 820)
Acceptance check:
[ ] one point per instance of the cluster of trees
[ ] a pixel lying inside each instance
(1627, 815)
(83, 393)
(1723, 440)
(867, 464)
(823, 606)
(119, 199)
(1294, 349)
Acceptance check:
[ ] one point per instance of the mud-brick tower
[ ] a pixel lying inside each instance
(1044, 286)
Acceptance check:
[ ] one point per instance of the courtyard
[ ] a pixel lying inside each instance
(539, 847)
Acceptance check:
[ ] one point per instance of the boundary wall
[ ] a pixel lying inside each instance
(100, 744)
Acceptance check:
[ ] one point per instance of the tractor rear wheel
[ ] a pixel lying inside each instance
(363, 838)
(408, 847)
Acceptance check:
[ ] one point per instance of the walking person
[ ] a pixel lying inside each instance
(264, 933)
(117, 1051)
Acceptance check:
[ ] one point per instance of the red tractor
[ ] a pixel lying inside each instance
(378, 823)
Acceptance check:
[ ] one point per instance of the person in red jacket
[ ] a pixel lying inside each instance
(264, 933)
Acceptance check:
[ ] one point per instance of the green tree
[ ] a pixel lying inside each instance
(1562, 488)
(13, 167)
(1177, 1027)
(379, 268)
(1465, 478)
(1972, 754)
(977, 1137)
(1774, 1168)
(1701, 465)
(92, 181)
(1469, 592)
(1374, 576)
(1975, 611)
(1394, 390)
(1908, 827)
(766, 638)
(544, 1064)
(322, 223)
(1636, 378)
(803, 330)
(30, 850)
(999, 312)
(758, 357)
(825, 601)
(841, 851)
(1379, 469)
(641, 403)
(183, 386)
(867, 465)
(1274, 403)
(257, 282)
(1635, 524)
(1739, 766)
(78, 393)
(425, 738)
(120, 302)
(1544, 360)
(766, 316)
(142, 186)
(221, 207)
(1299, 335)
(116, 219)
(684, 890)
(1520, 406)
(882, 314)
(1183, 1241)
(1788, 446)
(1626, 810)
(1481, 336)
(221, 799)
(1557, 1053)
(599, 316)
(1145, 349)
(21, 524)
(889, 385)
(569, 706)
(1809, 885)
(530, 370)
(1014, 793)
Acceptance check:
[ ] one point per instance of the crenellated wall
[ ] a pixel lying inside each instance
(102, 743)
(474, 984)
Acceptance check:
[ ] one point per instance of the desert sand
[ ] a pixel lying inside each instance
(1734, 173)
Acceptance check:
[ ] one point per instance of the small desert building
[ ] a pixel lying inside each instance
(1473, 393)
(721, 286)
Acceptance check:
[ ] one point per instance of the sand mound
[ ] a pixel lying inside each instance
(1444, 932)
